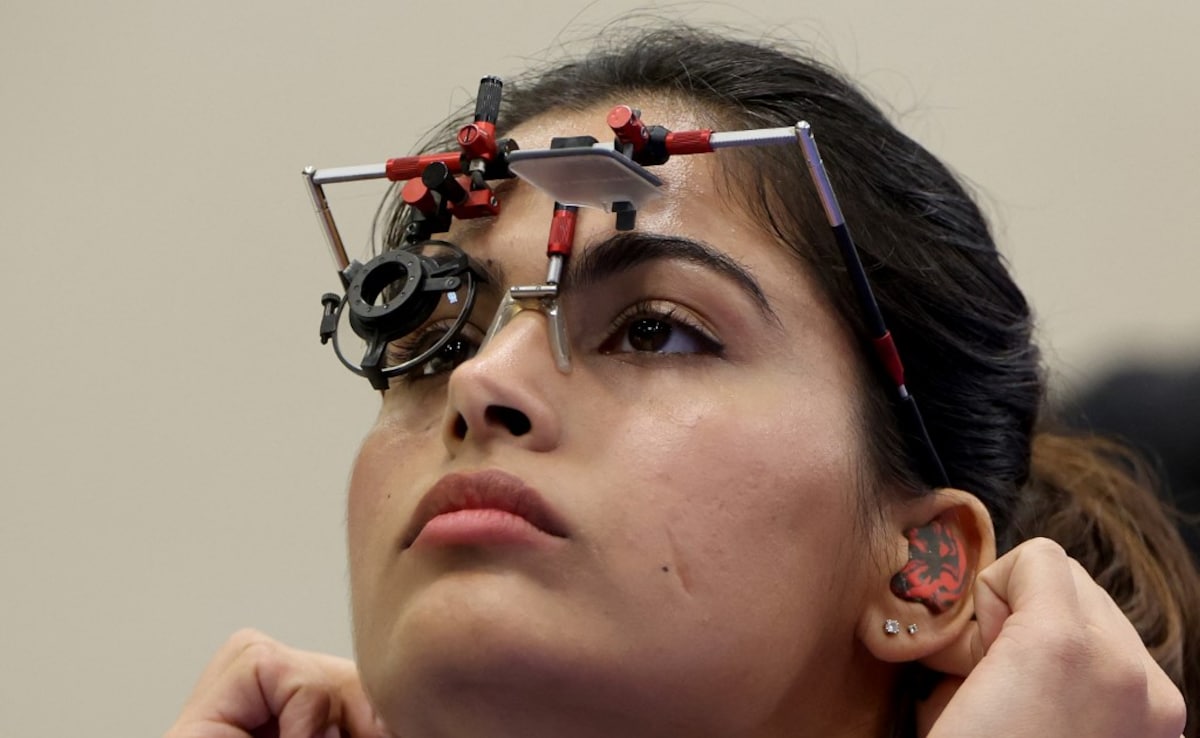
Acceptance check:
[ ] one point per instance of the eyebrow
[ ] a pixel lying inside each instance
(624, 251)
(628, 250)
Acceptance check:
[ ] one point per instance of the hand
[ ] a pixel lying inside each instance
(256, 687)
(1049, 654)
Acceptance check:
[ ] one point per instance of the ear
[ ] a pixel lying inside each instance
(934, 547)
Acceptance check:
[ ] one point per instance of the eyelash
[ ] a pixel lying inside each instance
(667, 313)
(412, 345)
(404, 349)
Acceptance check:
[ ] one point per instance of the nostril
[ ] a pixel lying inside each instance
(460, 427)
(515, 421)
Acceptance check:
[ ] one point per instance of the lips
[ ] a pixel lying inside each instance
(484, 490)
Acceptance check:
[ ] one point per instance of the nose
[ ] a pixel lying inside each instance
(503, 394)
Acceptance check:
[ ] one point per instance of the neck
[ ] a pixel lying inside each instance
(853, 701)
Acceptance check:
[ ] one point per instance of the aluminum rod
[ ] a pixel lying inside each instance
(326, 218)
(820, 177)
(349, 174)
(756, 137)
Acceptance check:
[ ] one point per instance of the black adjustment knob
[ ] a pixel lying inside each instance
(438, 178)
(329, 315)
(626, 215)
(487, 102)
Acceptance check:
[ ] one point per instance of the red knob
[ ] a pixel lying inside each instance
(416, 194)
(478, 140)
(410, 167)
(627, 124)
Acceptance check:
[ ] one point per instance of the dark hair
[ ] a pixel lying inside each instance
(963, 327)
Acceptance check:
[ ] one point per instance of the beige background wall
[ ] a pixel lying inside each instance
(175, 441)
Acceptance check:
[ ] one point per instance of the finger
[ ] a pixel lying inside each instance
(218, 692)
(225, 655)
(358, 715)
(1034, 581)
(254, 678)
(311, 693)
(263, 680)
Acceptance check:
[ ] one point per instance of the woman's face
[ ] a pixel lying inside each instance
(700, 463)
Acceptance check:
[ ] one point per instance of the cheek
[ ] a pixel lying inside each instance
(382, 470)
(736, 527)
(366, 503)
(368, 480)
(746, 486)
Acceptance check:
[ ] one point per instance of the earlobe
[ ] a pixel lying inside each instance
(936, 546)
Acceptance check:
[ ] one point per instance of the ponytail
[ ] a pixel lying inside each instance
(1097, 499)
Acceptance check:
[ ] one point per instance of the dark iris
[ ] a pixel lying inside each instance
(649, 334)
(449, 356)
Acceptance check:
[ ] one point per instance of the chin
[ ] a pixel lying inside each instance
(460, 635)
(497, 656)
(482, 625)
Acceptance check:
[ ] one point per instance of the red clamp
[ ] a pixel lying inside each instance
(455, 189)
(477, 204)
(410, 167)
(417, 195)
(562, 230)
(478, 140)
(626, 123)
(689, 142)
(651, 145)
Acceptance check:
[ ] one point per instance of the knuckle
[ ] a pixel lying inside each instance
(1077, 567)
(1119, 675)
(256, 651)
(1167, 703)
(246, 637)
(1046, 547)
(1174, 712)
(263, 653)
(1129, 680)
(316, 699)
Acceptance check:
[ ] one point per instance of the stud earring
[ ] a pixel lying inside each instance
(891, 627)
(912, 629)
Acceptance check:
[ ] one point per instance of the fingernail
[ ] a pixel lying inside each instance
(332, 731)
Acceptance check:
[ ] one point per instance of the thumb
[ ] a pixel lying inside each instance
(1029, 580)
(965, 651)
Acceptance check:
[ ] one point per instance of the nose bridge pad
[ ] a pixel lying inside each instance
(556, 327)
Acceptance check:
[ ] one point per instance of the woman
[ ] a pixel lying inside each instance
(722, 526)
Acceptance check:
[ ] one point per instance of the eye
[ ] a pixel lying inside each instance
(448, 357)
(658, 328)
(457, 350)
